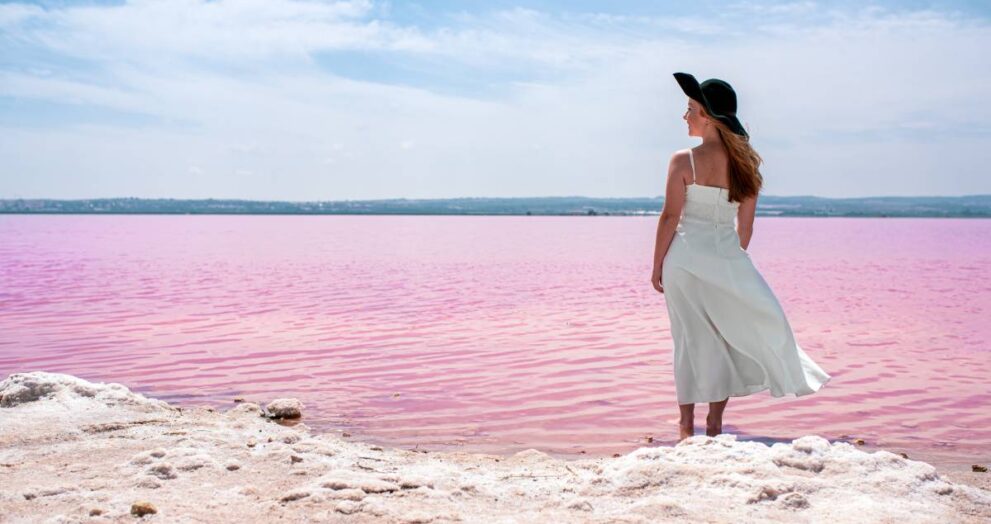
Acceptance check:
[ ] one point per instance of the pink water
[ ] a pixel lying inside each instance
(499, 333)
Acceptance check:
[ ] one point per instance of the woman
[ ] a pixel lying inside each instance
(731, 337)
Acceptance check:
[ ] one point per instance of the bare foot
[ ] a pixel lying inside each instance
(713, 428)
(685, 431)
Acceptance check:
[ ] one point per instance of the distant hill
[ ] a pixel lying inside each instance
(963, 206)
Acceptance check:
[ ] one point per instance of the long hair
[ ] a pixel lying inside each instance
(745, 179)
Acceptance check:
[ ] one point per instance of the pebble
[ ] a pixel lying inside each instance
(232, 466)
(148, 483)
(284, 408)
(142, 508)
(580, 505)
(163, 471)
(347, 507)
(95, 512)
(252, 442)
(294, 495)
(347, 494)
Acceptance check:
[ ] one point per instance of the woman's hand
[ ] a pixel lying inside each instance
(655, 280)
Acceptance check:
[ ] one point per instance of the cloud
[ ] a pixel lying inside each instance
(337, 100)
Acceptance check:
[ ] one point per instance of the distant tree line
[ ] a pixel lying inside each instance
(962, 206)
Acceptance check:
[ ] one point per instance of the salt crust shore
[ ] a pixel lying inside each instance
(76, 451)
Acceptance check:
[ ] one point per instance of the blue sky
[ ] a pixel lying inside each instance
(324, 100)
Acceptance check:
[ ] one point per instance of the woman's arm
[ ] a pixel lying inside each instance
(674, 201)
(745, 220)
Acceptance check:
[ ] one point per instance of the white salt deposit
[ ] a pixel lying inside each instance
(75, 451)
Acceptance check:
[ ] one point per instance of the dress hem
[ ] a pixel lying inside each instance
(749, 391)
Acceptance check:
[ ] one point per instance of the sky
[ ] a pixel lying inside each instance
(338, 100)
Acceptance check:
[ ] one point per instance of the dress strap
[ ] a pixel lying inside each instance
(692, 158)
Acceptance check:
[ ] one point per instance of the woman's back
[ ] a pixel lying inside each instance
(709, 203)
(711, 166)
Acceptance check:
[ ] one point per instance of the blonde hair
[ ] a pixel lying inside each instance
(745, 179)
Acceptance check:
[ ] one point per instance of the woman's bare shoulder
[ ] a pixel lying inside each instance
(680, 164)
(680, 160)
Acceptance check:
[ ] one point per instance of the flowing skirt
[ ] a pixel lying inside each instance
(731, 336)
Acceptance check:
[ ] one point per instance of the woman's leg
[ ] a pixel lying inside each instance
(686, 424)
(714, 420)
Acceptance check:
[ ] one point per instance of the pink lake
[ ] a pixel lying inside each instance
(498, 334)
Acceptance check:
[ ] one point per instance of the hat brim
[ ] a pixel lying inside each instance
(692, 88)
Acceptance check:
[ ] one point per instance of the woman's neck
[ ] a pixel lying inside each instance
(712, 138)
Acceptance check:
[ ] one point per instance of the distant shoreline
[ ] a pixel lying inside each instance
(969, 206)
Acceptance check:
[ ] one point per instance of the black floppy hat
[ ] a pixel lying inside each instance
(716, 96)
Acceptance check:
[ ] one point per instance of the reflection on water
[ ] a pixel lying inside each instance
(498, 333)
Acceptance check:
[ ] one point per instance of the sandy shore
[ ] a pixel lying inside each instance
(76, 451)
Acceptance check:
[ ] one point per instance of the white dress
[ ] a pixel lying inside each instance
(731, 336)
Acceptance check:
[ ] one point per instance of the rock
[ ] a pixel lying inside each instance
(13, 393)
(21, 388)
(163, 471)
(413, 482)
(377, 486)
(142, 508)
(976, 468)
(238, 399)
(795, 501)
(294, 495)
(147, 457)
(347, 507)
(95, 512)
(580, 505)
(195, 462)
(295, 458)
(344, 479)
(284, 408)
(252, 442)
(347, 494)
(232, 466)
(148, 483)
